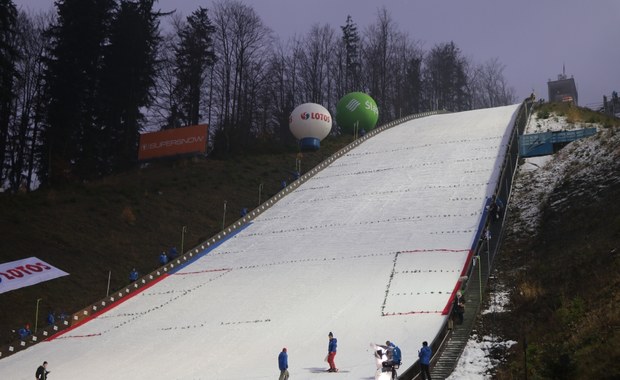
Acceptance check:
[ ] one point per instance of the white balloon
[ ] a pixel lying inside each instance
(310, 123)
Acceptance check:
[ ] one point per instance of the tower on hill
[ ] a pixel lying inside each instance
(563, 89)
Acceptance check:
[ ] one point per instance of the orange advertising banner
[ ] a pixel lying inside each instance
(172, 142)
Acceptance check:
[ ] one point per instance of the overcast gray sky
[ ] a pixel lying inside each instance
(533, 38)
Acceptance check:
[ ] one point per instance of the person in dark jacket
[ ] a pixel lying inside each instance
(425, 355)
(459, 306)
(172, 253)
(42, 372)
(283, 364)
(331, 352)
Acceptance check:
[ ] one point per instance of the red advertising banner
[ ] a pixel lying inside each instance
(26, 272)
(172, 142)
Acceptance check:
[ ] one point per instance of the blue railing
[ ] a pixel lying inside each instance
(545, 143)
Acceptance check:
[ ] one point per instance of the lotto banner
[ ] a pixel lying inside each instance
(26, 272)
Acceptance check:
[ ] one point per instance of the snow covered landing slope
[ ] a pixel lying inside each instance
(370, 249)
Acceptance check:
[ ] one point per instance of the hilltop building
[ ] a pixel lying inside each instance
(563, 89)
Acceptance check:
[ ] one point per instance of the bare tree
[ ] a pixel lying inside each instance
(488, 86)
(164, 113)
(8, 56)
(315, 63)
(380, 52)
(284, 82)
(30, 42)
(242, 44)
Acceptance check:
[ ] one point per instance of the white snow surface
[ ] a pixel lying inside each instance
(371, 248)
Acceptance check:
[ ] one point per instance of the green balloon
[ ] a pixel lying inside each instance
(357, 111)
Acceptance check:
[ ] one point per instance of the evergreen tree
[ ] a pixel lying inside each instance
(72, 136)
(194, 56)
(412, 86)
(351, 39)
(445, 78)
(8, 55)
(128, 76)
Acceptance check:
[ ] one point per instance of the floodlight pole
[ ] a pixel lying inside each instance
(224, 217)
(260, 191)
(107, 292)
(183, 231)
(489, 254)
(36, 316)
(479, 276)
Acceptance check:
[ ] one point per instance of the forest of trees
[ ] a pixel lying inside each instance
(78, 85)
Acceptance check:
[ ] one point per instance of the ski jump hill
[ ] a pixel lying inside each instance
(371, 248)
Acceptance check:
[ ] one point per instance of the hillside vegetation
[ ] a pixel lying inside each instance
(564, 275)
(575, 115)
(111, 225)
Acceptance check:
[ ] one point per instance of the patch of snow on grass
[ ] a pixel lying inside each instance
(498, 300)
(477, 362)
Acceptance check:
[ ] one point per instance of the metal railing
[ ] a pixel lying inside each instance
(502, 191)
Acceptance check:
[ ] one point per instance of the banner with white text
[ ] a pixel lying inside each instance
(26, 272)
(173, 142)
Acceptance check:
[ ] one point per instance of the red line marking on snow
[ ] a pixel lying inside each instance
(457, 286)
(105, 309)
(203, 271)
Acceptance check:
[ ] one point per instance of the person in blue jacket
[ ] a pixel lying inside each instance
(24, 332)
(394, 357)
(283, 364)
(50, 318)
(163, 258)
(425, 354)
(331, 352)
(133, 275)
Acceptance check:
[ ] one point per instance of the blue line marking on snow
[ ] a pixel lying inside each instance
(209, 249)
